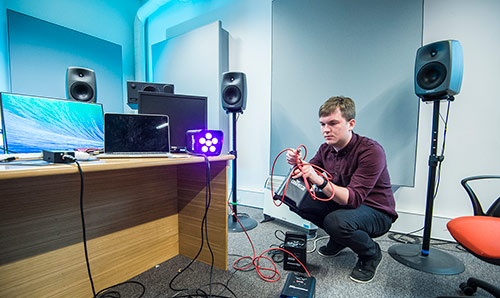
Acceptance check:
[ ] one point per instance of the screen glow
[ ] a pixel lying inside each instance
(32, 124)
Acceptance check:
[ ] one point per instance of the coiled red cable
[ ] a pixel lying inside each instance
(299, 163)
(255, 260)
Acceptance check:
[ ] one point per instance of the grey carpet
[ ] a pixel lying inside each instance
(332, 274)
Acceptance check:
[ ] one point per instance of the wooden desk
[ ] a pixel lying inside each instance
(138, 213)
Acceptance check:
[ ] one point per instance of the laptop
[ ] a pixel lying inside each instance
(136, 136)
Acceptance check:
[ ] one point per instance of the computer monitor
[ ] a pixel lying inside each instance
(31, 124)
(185, 112)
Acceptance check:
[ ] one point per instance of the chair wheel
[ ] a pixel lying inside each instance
(467, 289)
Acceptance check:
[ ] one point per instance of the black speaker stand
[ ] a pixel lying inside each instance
(428, 259)
(247, 223)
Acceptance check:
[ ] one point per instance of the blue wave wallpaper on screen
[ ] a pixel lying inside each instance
(33, 124)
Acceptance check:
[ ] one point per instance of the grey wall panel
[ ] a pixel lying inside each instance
(40, 53)
(362, 49)
(194, 62)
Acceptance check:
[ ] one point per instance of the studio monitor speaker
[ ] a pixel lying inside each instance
(81, 84)
(133, 89)
(438, 70)
(234, 92)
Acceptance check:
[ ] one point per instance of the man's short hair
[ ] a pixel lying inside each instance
(345, 104)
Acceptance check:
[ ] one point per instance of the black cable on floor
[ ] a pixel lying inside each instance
(204, 236)
(84, 231)
(407, 238)
(398, 237)
(104, 293)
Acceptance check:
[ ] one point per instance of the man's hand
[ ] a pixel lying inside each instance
(292, 156)
(309, 173)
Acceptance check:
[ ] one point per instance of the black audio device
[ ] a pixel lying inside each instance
(58, 156)
(295, 243)
(296, 192)
(298, 286)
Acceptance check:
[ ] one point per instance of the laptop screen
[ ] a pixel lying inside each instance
(136, 133)
(31, 124)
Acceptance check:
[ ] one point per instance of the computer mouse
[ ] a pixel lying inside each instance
(82, 155)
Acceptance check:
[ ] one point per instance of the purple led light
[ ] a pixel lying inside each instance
(208, 142)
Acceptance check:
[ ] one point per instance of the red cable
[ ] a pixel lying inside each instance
(255, 260)
(299, 163)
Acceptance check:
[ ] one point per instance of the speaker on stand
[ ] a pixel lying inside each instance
(438, 76)
(81, 84)
(233, 95)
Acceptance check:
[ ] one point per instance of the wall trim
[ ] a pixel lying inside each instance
(250, 198)
(408, 222)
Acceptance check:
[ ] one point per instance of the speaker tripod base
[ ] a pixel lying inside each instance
(436, 262)
(247, 223)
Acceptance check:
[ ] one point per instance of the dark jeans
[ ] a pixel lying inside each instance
(353, 228)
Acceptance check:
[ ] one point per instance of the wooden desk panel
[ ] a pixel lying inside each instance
(191, 179)
(133, 220)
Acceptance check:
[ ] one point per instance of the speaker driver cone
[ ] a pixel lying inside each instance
(150, 88)
(231, 95)
(81, 91)
(431, 75)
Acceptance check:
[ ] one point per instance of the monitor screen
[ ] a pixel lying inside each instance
(32, 124)
(185, 112)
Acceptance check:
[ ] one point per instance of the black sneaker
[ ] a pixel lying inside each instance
(365, 268)
(332, 249)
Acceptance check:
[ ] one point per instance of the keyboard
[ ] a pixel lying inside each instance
(20, 156)
(135, 155)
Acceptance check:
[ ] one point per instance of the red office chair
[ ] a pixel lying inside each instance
(479, 234)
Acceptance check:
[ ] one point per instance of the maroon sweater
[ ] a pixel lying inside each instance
(361, 167)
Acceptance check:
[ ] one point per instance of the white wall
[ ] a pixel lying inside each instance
(249, 27)
(472, 140)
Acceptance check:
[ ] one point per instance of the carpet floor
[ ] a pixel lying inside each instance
(393, 279)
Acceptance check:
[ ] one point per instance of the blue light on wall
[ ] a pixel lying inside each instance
(40, 53)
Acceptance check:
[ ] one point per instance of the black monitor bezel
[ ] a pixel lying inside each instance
(169, 96)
